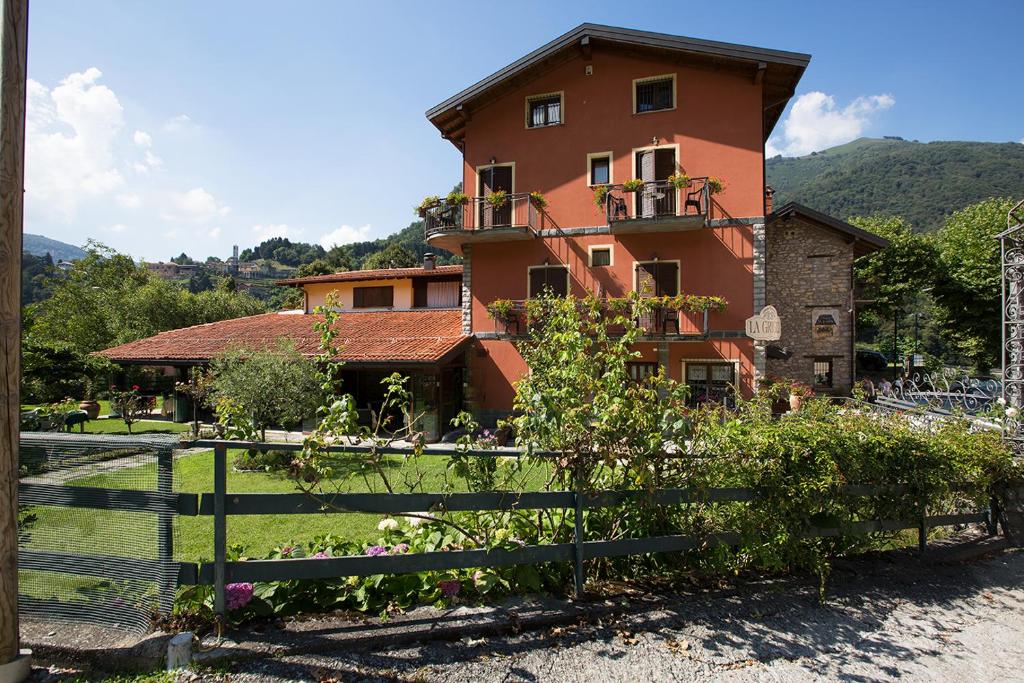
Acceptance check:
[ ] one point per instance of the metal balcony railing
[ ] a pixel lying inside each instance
(481, 213)
(659, 199)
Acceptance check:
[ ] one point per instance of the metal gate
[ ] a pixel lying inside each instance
(1011, 246)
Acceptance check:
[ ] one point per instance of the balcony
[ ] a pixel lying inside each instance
(480, 219)
(659, 206)
(658, 323)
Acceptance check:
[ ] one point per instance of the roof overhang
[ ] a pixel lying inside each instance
(778, 70)
(864, 242)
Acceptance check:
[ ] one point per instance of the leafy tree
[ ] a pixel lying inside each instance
(182, 259)
(968, 290)
(37, 274)
(893, 277)
(340, 258)
(276, 386)
(317, 267)
(393, 256)
(201, 280)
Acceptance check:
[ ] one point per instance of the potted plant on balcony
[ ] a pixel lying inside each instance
(456, 198)
(538, 200)
(633, 185)
(496, 199)
(600, 196)
(503, 312)
(428, 203)
(715, 185)
(679, 180)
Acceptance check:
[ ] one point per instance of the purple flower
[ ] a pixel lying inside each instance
(375, 550)
(449, 588)
(400, 548)
(321, 555)
(237, 595)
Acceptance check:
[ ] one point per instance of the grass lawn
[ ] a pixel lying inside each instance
(115, 425)
(119, 533)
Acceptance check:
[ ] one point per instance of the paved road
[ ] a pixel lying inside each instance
(888, 618)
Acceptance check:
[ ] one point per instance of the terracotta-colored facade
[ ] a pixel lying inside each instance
(715, 126)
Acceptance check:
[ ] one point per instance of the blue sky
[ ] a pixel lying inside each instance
(166, 127)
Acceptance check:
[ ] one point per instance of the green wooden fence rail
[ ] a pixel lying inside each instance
(220, 505)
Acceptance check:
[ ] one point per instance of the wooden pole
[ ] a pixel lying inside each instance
(13, 56)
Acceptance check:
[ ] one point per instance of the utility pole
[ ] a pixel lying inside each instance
(13, 57)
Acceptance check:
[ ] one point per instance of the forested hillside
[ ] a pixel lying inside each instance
(922, 182)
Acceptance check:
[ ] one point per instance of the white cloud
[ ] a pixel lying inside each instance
(815, 123)
(143, 139)
(197, 205)
(70, 136)
(128, 200)
(117, 227)
(214, 233)
(346, 234)
(178, 123)
(265, 232)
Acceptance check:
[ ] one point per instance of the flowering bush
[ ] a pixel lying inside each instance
(131, 405)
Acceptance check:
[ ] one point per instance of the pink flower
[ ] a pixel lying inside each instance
(375, 550)
(321, 555)
(287, 551)
(449, 588)
(400, 548)
(237, 595)
(135, 387)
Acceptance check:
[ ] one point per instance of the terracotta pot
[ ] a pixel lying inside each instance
(795, 402)
(91, 408)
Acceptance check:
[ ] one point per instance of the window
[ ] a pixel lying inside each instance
(638, 372)
(544, 110)
(654, 94)
(600, 256)
(554, 278)
(373, 297)
(822, 373)
(710, 382)
(600, 171)
(657, 278)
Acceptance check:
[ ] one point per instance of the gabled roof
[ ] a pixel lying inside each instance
(379, 274)
(864, 242)
(419, 336)
(780, 70)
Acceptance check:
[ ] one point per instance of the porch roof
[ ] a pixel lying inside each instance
(408, 337)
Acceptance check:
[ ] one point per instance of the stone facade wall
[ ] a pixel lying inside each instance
(808, 275)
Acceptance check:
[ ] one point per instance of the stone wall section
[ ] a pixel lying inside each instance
(809, 267)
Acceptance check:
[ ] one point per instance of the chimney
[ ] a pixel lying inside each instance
(428, 261)
(769, 194)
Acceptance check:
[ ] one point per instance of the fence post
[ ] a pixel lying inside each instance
(165, 530)
(220, 544)
(578, 536)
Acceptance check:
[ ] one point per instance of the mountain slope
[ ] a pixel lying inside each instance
(923, 182)
(38, 245)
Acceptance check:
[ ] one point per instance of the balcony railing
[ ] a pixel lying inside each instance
(478, 213)
(658, 322)
(659, 199)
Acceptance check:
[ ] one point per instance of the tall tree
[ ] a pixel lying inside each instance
(393, 256)
(892, 278)
(968, 288)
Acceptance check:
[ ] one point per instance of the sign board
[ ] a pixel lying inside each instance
(765, 326)
(824, 323)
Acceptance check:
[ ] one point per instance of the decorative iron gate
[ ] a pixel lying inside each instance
(1011, 246)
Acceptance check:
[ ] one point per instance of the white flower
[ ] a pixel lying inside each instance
(1001, 401)
(507, 461)
(416, 521)
(387, 524)
(1012, 413)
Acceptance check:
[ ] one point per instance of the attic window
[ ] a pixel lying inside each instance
(654, 94)
(544, 110)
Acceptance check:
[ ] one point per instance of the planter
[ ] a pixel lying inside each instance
(91, 408)
(796, 402)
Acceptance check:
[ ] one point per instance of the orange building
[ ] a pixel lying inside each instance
(576, 120)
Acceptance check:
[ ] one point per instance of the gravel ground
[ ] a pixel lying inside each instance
(885, 618)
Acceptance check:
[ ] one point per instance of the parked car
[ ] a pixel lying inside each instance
(871, 360)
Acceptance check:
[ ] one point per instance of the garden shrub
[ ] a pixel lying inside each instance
(607, 432)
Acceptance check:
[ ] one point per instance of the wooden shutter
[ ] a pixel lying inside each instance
(373, 297)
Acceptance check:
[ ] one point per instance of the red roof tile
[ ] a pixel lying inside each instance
(379, 274)
(416, 336)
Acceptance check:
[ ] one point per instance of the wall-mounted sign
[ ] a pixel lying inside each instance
(824, 323)
(765, 326)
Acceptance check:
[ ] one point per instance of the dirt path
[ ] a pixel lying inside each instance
(886, 618)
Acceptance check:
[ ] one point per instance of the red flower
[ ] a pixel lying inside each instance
(135, 387)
